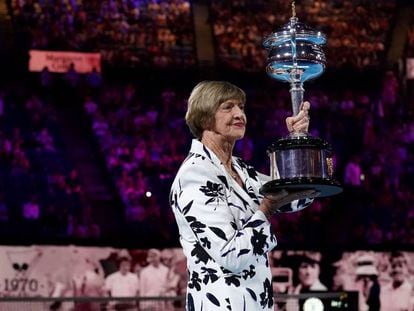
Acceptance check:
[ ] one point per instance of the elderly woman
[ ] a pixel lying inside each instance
(222, 218)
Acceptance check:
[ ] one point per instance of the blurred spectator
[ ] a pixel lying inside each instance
(46, 141)
(90, 284)
(390, 89)
(308, 274)
(90, 105)
(100, 126)
(152, 279)
(83, 225)
(398, 294)
(367, 283)
(122, 283)
(353, 172)
(170, 288)
(93, 79)
(46, 78)
(4, 211)
(31, 209)
(1, 107)
(72, 76)
(73, 183)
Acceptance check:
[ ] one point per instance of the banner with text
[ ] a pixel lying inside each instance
(60, 61)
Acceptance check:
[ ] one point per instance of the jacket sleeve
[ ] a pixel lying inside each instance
(200, 201)
(294, 206)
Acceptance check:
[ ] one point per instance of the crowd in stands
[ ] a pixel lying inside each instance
(40, 193)
(144, 141)
(126, 33)
(357, 30)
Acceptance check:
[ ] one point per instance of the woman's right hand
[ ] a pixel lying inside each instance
(271, 203)
(300, 122)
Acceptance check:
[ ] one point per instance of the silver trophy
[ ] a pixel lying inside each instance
(298, 161)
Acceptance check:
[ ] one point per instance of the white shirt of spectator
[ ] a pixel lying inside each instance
(152, 280)
(120, 285)
(397, 299)
(317, 286)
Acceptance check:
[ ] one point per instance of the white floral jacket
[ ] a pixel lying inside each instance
(224, 236)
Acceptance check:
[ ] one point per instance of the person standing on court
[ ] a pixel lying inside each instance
(223, 219)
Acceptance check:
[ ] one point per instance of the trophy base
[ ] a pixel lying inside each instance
(325, 187)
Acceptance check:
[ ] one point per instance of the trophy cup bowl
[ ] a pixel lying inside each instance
(298, 161)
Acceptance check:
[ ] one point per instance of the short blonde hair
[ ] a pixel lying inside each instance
(204, 101)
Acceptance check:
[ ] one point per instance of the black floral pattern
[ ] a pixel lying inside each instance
(173, 199)
(205, 243)
(243, 252)
(210, 275)
(249, 273)
(212, 190)
(196, 226)
(207, 152)
(198, 156)
(250, 169)
(266, 297)
(220, 233)
(253, 195)
(195, 281)
(229, 251)
(239, 233)
(228, 305)
(187, 208)
(259, 242)
(223, 179)
(237, 206)
(254, 224)
(200, 254)
(232, 280)
(252, 294)
(245, 203)
(190, 302)
(213, 299)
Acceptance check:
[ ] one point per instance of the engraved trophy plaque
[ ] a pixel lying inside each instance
(299, 161)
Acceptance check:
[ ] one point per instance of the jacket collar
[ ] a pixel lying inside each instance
(198, 148)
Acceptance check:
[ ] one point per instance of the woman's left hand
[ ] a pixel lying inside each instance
(273, 202)
(300, 122)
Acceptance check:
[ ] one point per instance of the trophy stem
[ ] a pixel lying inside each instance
(296, 94)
